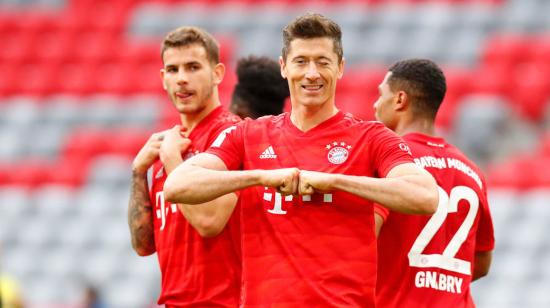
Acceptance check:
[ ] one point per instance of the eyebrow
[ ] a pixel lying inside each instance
(316, 58)
(185, 64)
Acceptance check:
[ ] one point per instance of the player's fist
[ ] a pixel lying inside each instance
(284, 180)
(148, 153)
(173, 144)
(312, 182)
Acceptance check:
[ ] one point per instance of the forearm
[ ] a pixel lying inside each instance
(410, 194)
(189, 184)
(140, 216)
(482, 264)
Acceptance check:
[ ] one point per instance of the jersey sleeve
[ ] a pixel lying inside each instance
(216, 130)
(229, 146)
(485, 239)
(381, 210)
(388, 150)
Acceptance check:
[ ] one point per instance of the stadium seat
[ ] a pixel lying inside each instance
(531, 90)
(508, 50)
(544, 146)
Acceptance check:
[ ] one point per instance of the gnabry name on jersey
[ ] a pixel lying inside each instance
(438, 281)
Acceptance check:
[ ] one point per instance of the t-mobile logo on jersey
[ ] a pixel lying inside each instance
(162, 210)
(278, 202)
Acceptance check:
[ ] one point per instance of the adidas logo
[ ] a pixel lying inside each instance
(268, 153)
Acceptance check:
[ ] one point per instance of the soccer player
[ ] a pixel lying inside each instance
(260, 89)
(196, 271)
(307, 181)
(429, 261)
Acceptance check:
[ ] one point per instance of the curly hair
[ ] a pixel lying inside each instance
(260, 88)
(423, 81)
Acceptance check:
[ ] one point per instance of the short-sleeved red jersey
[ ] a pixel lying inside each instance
(427, 261)
(309, 251)
(196, 271)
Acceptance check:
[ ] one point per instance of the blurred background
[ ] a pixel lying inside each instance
(80, 93)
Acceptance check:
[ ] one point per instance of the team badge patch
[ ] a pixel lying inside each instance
(405, 148)
(338, 152)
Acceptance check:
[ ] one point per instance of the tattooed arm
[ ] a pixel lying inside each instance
(140, 209)
(140, 216)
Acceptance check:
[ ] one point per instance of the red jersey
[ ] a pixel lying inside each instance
(309, 251)
(427, 261)
(196, 271)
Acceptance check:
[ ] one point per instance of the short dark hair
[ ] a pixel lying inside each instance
(185, 36)
(260, 86)
(423, 81)
(309, 26)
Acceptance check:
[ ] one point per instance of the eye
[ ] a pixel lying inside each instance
(172, 69)
(194, 67)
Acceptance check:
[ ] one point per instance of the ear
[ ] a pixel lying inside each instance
(162, 72)
(341, 67)
(401, 101)
(219, 73)
(282, 64)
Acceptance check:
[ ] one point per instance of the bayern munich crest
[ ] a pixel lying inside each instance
(338, 152)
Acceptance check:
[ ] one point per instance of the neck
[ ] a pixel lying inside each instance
(190, 120)
(307, 117)
(419, 125)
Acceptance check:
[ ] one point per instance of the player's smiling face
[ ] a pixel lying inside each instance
(189, 77)
(312, 69)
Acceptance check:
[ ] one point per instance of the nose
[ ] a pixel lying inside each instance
(312, 72)
(182, 77)
(375, 105)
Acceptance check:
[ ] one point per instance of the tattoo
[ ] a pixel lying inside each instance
(140, 216)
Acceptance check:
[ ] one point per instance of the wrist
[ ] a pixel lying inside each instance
(336, 182)
(139, 170)
(255, 178)
(170, 162)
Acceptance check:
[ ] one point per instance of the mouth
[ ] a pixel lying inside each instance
(184, 95)
(312, 87)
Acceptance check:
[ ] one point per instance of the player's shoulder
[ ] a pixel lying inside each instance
(373, 127)
(267, 120)
(226, 117)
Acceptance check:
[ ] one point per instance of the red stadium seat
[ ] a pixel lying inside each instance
(8, 79)
(508, 50)
(361, 79)
(125, 142)
(531, 87)
(31, 173)
(69, 172)
(447, 111)
(84, 144)
(544, 146)
(539, 50)
(96, 47)
(360, 104)
(459, 81)
(491, 80)
(36, 79)
(83, 78)
(17, 47)
(510, 174)
(115, 77)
